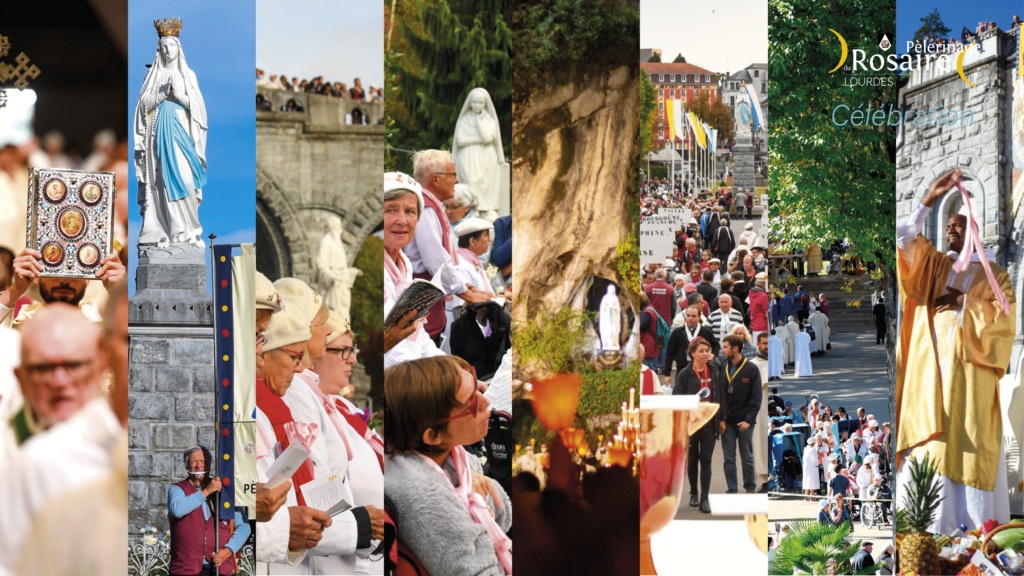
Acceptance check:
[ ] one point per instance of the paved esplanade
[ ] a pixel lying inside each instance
(851, 374)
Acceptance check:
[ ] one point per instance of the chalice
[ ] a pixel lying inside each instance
(666, 423)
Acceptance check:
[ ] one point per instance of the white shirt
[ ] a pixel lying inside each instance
(427, 253)
(68, 456)
(416, 345)
(272, 555)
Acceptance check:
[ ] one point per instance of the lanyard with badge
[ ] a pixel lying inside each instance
(733, 376)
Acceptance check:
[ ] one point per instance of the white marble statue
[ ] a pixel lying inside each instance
(477, 151)
(609, 320)
(334, 275)
(170, 146)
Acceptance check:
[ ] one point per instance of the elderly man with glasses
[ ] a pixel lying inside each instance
(433, 245)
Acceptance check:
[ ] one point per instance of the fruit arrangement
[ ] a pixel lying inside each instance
(988, 550)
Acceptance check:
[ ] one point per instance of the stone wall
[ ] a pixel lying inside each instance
(309, 167)
(171, 406)
(980, 145)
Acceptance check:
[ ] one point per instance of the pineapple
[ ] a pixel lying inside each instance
(918, 552)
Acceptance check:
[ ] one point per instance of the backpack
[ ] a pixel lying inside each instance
(804, 300)
(661, 339)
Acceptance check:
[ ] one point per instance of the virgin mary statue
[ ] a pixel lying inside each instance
(477, 150)
(170, 145)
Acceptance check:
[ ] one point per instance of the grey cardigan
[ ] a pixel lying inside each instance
(435, 525)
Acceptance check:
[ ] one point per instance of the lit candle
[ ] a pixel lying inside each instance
(632, 392)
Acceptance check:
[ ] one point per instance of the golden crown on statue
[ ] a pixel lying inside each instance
(168, 26)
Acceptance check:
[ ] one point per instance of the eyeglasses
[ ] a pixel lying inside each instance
(75, 369)
(473, 405)
(261, 340)
(296, 356)
(346, 352)
(448, 174)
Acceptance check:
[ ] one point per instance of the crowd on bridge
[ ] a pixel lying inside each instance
(318, 85)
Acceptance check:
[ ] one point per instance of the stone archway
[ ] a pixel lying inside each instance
(276, 215)
(980, 183)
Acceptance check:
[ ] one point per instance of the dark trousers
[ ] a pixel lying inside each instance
(802, 315)
(702, 446)
(745, 439)
(880, 330)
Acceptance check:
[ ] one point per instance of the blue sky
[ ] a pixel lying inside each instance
(218, 39)
(955, 15)
(337, 40)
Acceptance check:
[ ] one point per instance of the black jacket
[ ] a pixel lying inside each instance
(679, 343)
(861, 560)
(484, 354)
(688, 383)
(710, 294)
(745, 399)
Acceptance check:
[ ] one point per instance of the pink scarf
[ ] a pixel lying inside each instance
(399, 272)
(476, 504)
(332, 413)
(973, 244)
(478, 268)
(431, 201)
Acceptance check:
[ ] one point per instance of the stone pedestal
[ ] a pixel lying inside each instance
(171, 288)
(171, 401)
(743, 164)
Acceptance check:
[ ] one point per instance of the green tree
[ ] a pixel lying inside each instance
(931, 26)
(368, 314)
(679, 59)
(655, 57)
(828, 181)
(648, 113)
(442, 49)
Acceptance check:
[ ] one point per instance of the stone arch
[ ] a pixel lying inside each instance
(276, 213)
(982, 181)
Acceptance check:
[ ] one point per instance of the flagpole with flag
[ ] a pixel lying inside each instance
(234, 375)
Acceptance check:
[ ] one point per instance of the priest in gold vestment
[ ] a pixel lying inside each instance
(954, 346)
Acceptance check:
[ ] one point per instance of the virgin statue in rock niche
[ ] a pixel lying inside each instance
(477, 150)
(170, 145)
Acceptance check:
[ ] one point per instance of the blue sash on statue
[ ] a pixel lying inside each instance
(169, 132)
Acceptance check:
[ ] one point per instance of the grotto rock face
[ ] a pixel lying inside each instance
(573, 172)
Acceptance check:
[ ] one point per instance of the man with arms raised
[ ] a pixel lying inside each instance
(955, 345)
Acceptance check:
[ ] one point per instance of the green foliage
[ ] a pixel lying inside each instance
(560, 41)
(552, 340)
(810, 546)
(648, 110)
(627, 262)
(655, 57)
(679, 59)
(829, 181)
(932, 26)
(443, 49)
(556, 343)
(603, 392)
(367, 312)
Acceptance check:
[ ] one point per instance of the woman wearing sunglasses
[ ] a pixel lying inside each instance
(451, 516)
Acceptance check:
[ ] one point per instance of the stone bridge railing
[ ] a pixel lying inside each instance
(320, 113)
